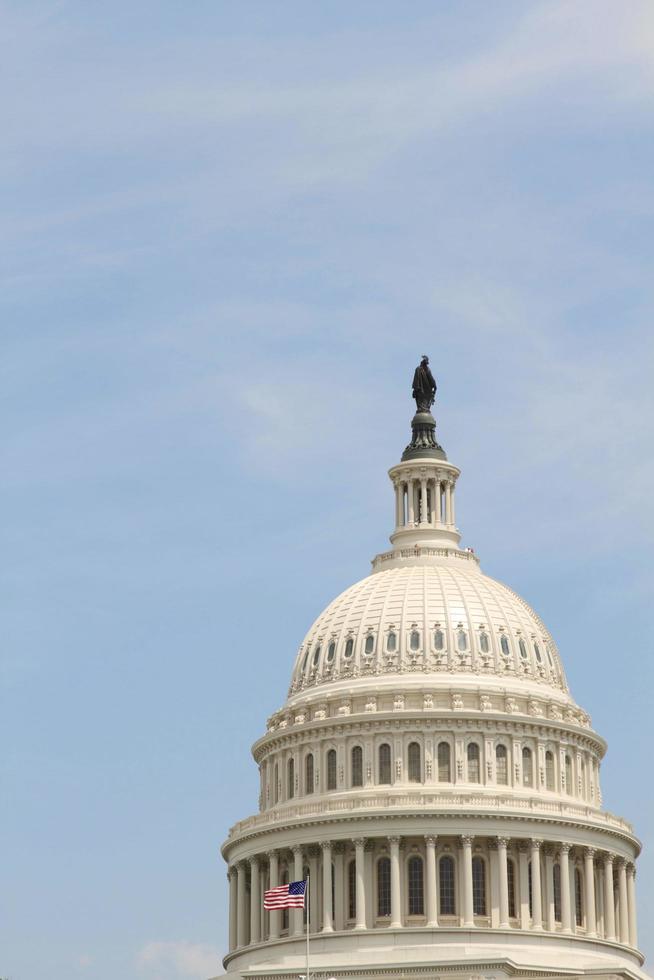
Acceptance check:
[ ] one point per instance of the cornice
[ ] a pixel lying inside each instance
(351, 820)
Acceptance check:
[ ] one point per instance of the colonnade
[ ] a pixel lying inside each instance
(469, 882)
(424, 500)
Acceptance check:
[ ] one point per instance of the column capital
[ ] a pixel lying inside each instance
(326, 845)
(359, 841)
(272, 854)
(565, 847)
(254, 861)
(339, 847)
(466, 840)
(536, 843)
(297, 850)
(608, 857)
(430, 840)
(548, 850)
(502, 841)
(631, 869)
(231, 873)
(620, 863)
(590, 852)
(395, 839)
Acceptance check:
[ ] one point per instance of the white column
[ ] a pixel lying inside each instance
(241, 921)
(424, 517)
(231, 875)
(565, 888)
(396, 901)
(399, 504)
(448, 502)
(524, 886)
(589, 891)
(504, 882)
(631, 898)
(624, 910)
(536, 899)
(327, 886)
(452, 513)
(439, 501)
(549, 889)
(609, 900)
(432, 914)
(314, 890)
(410, 497)
(359, 846)
(339, 886)
(255, 903)
(273, 862)
(298, 871)
(468, 915)
(433, 516)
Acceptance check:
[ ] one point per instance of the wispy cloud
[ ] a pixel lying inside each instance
(178, 959)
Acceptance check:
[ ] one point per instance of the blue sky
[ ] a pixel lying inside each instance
(228, 232)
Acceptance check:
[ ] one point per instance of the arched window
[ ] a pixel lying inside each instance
(385, 764)
(510, 875)
(484, 645)
(583, 779)
(579, 907)
(537, 652)
(446, 891)
(383, 887)
(349, 648)
(478, 885)
(304, 661)
(316, 655)
(461, 641)
(276, 786)
(527, 768)
(416, 894)
(568, 775)
(331, 652)
(352, 890)
(290, 784)
(504, 645)
(474, 774)
(415, 768)
(308, 774)
(444, 769)
(501, 766)
(549, 771)
(414, 642)
(523, 648)
(357, 766)
(331, 769)
(556, 888)
(391, 642)
(439, 640)
(370, 644)
(549, 656)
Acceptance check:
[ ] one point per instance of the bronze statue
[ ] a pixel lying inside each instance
(424, 386)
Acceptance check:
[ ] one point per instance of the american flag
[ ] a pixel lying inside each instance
(289, 896)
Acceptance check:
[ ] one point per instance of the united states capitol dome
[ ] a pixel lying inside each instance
(431, 780)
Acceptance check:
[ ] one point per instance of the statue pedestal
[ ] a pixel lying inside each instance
(423, 439)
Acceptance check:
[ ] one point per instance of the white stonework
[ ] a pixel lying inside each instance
(432, 772)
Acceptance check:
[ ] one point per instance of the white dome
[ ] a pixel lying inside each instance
(445, 617)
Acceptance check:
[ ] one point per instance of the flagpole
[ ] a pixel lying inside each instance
(308, 917)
